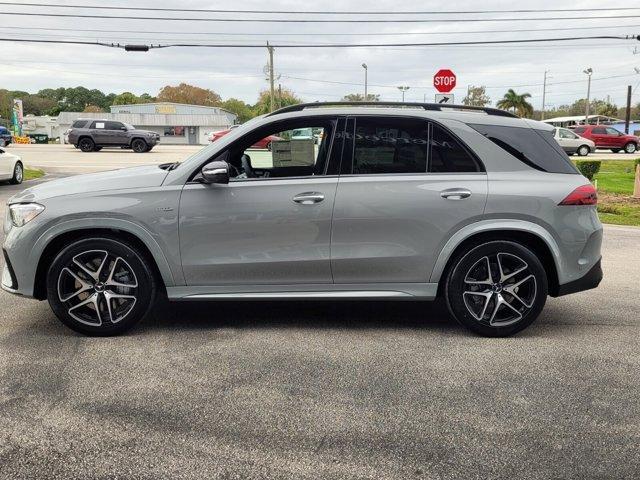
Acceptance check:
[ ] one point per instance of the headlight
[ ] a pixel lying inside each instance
(22, 213)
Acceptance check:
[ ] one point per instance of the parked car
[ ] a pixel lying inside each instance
(92, 135)
(5, 137)
(11, 167)
(608, 137)
(304, 134)
(573, 143)
(471, 204)
(263, 143)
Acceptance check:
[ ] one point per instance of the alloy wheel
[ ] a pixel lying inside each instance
(630, 148)
(18, 173)
(499, 290)
(98, 288)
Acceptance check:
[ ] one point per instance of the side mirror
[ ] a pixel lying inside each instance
(216, 172)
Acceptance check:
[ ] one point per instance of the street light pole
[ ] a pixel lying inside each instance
(403, 89)
(589, 72)
(271, 79)
(364, 65)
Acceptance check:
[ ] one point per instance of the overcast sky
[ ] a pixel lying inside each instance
(239, 72)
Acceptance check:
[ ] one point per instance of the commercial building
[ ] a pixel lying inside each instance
(177, 123)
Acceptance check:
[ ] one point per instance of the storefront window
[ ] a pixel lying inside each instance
(174, 131)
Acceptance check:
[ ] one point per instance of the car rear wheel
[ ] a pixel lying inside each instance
(139, 146)
(86, 144)
(630, 147)
(18, 174)
(496, 289)
(100, 286)
(583, 150)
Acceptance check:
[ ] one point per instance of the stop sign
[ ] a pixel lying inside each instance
(444, 80)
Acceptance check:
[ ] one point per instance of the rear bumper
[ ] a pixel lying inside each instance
(590, 280)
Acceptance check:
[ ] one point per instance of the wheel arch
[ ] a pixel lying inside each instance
(531, 235)
(54, 242)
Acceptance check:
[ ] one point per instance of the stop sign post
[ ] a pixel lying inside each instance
(444, 80)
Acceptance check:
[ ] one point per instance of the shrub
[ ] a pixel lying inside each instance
(588, 168)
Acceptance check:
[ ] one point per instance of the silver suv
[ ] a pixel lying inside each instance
(395, 201)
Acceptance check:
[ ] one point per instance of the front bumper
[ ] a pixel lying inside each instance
(590, 280)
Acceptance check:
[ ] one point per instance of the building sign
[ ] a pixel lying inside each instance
(16, 117)
(166, 109)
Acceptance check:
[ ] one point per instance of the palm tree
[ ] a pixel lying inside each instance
(518, 103)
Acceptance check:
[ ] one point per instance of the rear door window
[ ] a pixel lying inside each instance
(449, 155)
(79, 124)
(536, 148)
(599, 131)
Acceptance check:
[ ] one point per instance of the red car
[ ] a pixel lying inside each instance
(264, 143)
(608, 137)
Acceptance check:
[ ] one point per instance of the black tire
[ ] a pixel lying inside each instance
(18, 174)
(269, 146)
(583, 150)
(139, 146)
(86, 144)
(97, 149)
(124, 262)
(615, 150)
(630, 147)
(511, 315)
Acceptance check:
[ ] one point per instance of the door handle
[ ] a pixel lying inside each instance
(308, 198)
(455, 193)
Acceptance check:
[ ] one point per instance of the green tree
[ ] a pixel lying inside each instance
(359, 97)
(476, 97)
(516, 102)
(126, 98)
(282, 99)
(240, 108)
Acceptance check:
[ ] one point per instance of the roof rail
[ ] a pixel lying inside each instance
(427, 106)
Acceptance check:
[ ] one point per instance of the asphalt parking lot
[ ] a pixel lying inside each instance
(328, 390)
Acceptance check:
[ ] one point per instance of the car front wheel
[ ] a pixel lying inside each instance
(100, 286)
(139, 146)
(630, 147)
(18, 174)
(496, 289)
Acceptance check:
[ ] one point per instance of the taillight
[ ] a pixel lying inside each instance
(583, 195)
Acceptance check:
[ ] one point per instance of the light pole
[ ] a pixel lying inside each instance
(589, 72)
(403, 89)
(364, 65)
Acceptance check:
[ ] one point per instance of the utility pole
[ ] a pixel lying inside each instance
(271, 80)
(279, 95)
(627, 115)
(403, 89)
(589, 72)
(544, 94)
(366, 69)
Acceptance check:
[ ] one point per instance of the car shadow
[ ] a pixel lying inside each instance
(343, 314)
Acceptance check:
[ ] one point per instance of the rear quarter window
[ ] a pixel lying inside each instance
(536, 148)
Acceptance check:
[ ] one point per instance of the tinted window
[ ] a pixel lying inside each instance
(536, 148)
(612, 131)
(79, 124)
(113, 125)
(390, 145)
(579, 130)
(448, 155)
(599, 131)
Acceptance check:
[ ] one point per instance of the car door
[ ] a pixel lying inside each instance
(406, 185)
(600, 137)
(99, 132)
(271, 224)
(568, 140)
(616, 139)
(115, 133)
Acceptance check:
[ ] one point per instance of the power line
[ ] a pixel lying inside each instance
(312, 45)
(314, 12)
(315, 34)
(315, 20)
